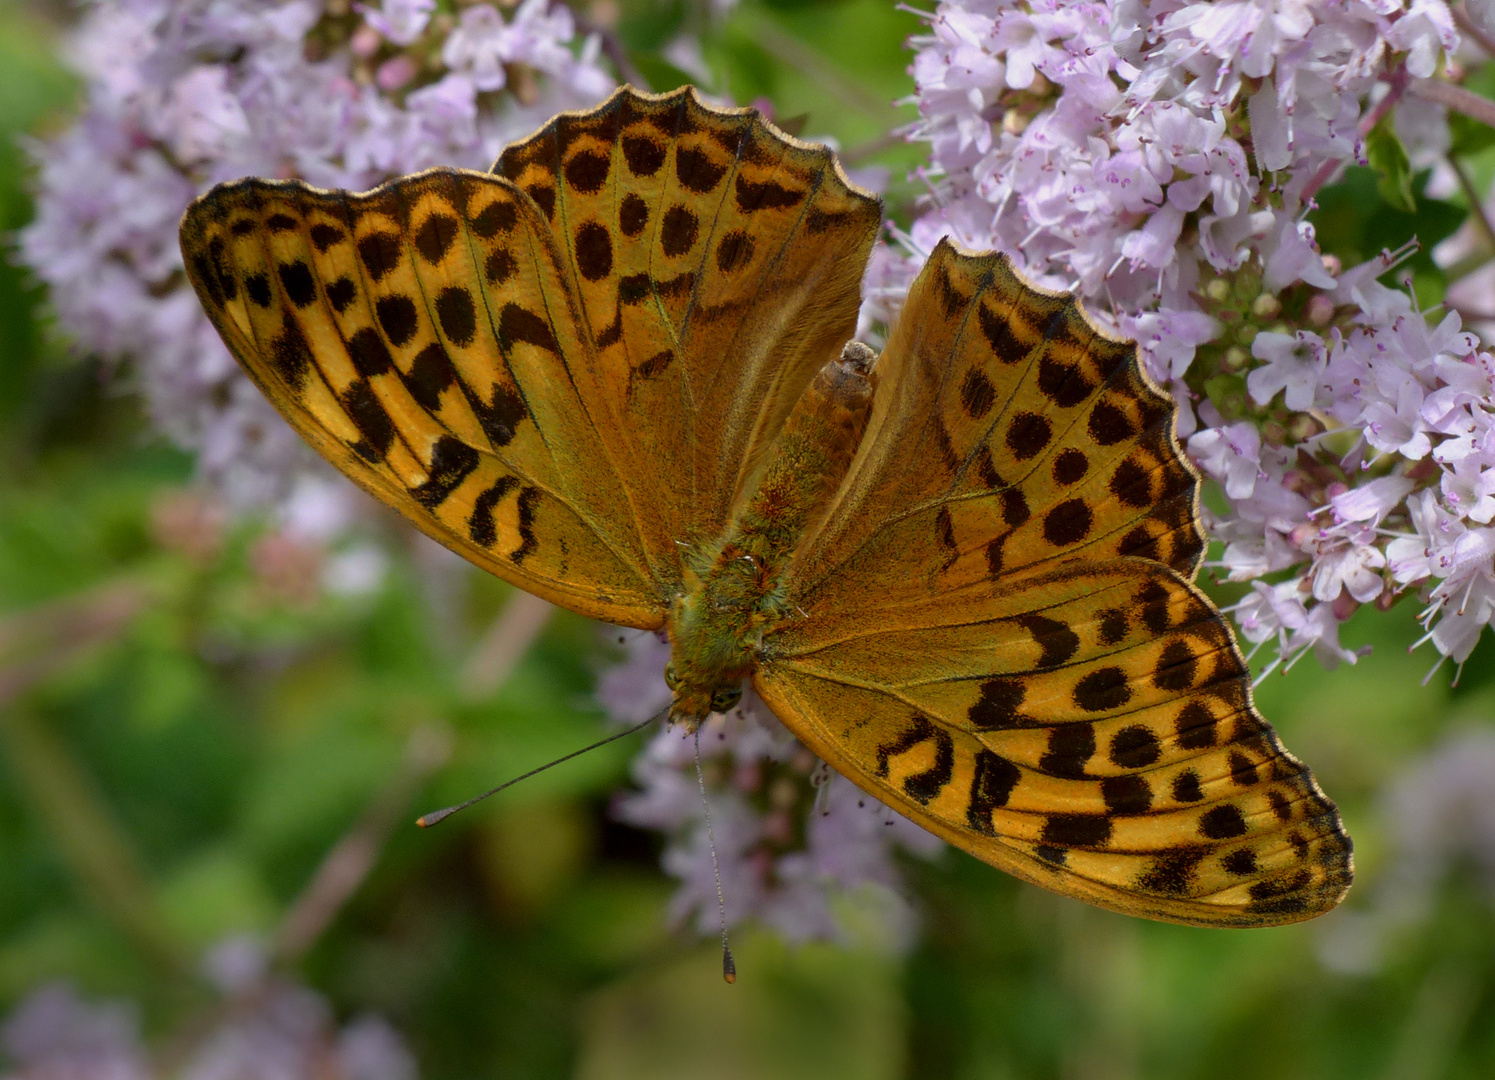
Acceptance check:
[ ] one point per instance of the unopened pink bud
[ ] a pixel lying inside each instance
(365, 41)
(1320, 310)
(1344, 605)
(396, 72)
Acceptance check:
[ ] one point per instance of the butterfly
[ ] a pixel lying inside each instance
(617, 371)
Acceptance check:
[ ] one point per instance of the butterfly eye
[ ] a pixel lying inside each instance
(670, 678)
(723, 700)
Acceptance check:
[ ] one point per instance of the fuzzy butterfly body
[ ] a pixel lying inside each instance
(612, 372)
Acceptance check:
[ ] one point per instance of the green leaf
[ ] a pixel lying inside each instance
(1228, 394)
(1469, 136)
(1393, 169)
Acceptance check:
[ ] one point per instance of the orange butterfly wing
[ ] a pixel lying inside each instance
(1000, 638)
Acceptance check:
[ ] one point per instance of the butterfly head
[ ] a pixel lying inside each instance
(696, 699)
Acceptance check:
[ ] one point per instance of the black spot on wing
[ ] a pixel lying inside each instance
(1077, 830)
(696, 171)
(527, 504)
(1062, 383)
(1028, 434)
(1223, 822)
(991, 786)
(997, 708)
(430, 374)
(1058, 642)
(1067, 523)
(1172, 871)
(258, 288)
(496, 217)
(1108, 425)
(1070, 467)
(289, 353)
(341, 293)
(380, 252)
(519, 324)
(644, 155)
(1071, 746)
(1126, 794)
(768, 195)
(457, 315)
(500, 266)
(594, 251)
(587, 171)
(296, 278)
(544, 196)
(480, 523)
(977, 395)
(451, 461)
(734, 251)
(1135, 747)
(373, 423)
(998, 334)
(323, 236)
(677, 234)
(633, 215)
(397, 315)
(1103, 690)
(500, 417)
(435, 236)
(368, 352)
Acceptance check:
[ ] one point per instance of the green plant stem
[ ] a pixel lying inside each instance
(56, 787)
(89, 839)
(1476, 205)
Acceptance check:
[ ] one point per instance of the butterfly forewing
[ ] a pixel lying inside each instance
(374, 323)
(719, 265)
(1007, 432)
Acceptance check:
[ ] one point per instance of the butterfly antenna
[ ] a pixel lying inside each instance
(729, 965)
(436, 817)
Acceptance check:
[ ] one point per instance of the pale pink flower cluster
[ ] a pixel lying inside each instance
(182, 94)
(265, 1026)
(800, 848)
(1160, 158)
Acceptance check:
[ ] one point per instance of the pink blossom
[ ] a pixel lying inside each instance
(401, 22)
(1230, 455)
(1294, 363)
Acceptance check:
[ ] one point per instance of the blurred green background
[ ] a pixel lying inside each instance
(185, 737)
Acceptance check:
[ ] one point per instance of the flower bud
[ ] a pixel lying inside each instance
(1302, 427)
(1320, 310)
(365, 41)
(1235, 359)
(1266, 306)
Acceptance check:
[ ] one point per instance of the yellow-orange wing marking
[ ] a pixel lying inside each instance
(424, 337)
(1001, 638)
(718, 264)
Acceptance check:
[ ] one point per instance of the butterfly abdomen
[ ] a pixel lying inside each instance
(809, 458)
(717, 624)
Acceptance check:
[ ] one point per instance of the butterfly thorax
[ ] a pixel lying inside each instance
(734, 593)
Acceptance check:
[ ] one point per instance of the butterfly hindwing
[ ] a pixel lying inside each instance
(718, 262)
(421, 336)
(1087, 728)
